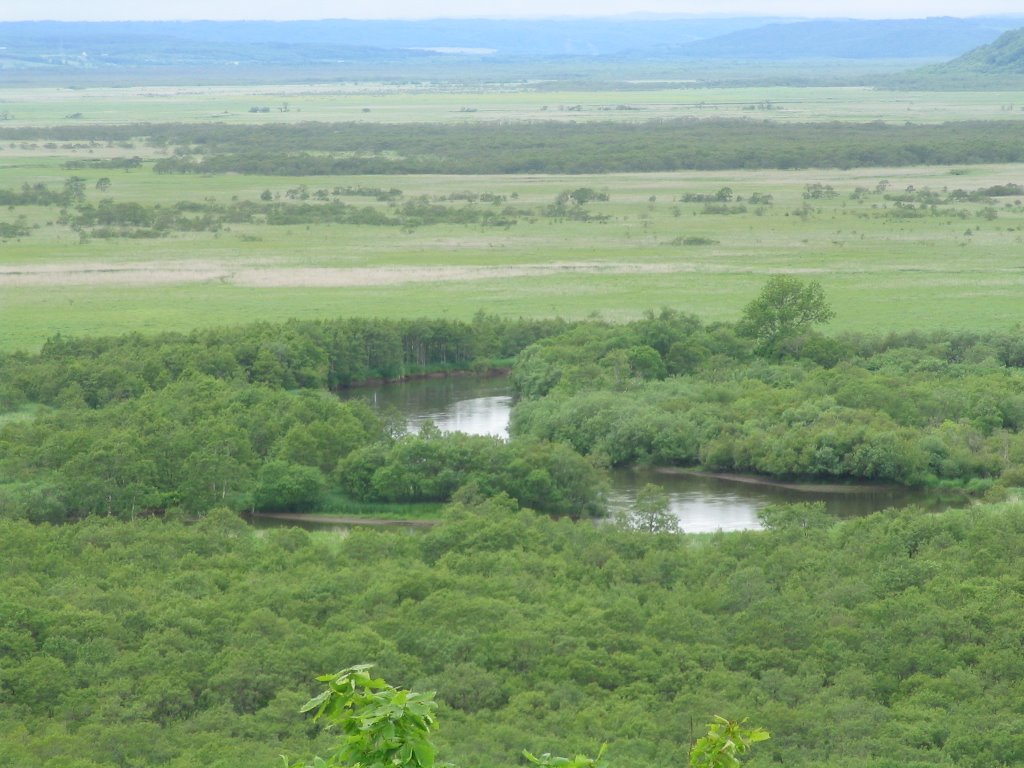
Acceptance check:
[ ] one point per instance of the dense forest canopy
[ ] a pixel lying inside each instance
(887, 641)
(312, 149)
(907, 409)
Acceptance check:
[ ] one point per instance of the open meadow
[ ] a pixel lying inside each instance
(887, 257)
(135, 250)
(893, 247)
(376, 102)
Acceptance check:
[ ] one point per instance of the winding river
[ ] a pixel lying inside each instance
(703, 504)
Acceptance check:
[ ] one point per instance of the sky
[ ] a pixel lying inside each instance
(117, 10)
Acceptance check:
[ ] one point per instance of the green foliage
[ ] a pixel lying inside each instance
(546, 760)
(285, 487)
(1003, 56)
(786, 306)
(135, 425)
(650, 512)
(537, 146)
(724, 742)
(194, 443)
(182, 644)
(580, 196)
(324, 354)
(110, 219)
(431, 466)
(379, 725)
(914, 409)
(790, 517)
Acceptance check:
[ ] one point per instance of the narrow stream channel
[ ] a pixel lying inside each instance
(481, 406)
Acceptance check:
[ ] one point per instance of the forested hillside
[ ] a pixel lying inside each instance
(1004, 56)
(847, 39)
(996, 65)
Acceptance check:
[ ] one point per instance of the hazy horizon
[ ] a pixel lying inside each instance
(265, 10)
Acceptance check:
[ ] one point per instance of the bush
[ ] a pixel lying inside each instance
(285, 487)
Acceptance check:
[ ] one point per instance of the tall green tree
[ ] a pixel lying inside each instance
(786, 307)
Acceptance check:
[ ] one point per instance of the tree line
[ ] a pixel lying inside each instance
(324, 354)
(138, 425)
(772, 396)
(109, 218)
(311, 149)
(244, 417)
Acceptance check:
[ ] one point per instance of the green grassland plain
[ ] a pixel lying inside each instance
(373, 102)
(956, 265)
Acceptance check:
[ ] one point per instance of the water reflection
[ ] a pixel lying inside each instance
(477, 416)
(476, 406)
(706, 504)
(481, 406)
(700, 506)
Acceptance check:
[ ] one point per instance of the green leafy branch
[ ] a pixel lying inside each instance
(580, 761)
(724, 741)
(385, 727)
(381, 726)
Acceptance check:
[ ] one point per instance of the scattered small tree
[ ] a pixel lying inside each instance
(796, 517)
(74, 188)
(650, 512)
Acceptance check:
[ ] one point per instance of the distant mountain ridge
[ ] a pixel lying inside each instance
(107, 44)
(555, 37)
(1004, 56)
(998, 65)
(849, 39)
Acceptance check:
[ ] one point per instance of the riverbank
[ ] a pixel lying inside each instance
(493, 372)
(342, 520)
(768, 482)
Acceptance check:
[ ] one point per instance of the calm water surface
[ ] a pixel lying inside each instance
(476, 406)
(702, 504)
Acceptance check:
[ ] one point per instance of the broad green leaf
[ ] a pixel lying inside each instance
(316, 701)
(424, 751)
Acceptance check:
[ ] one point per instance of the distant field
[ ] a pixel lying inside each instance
(885, 264)
(892, 247)
(399, 103)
